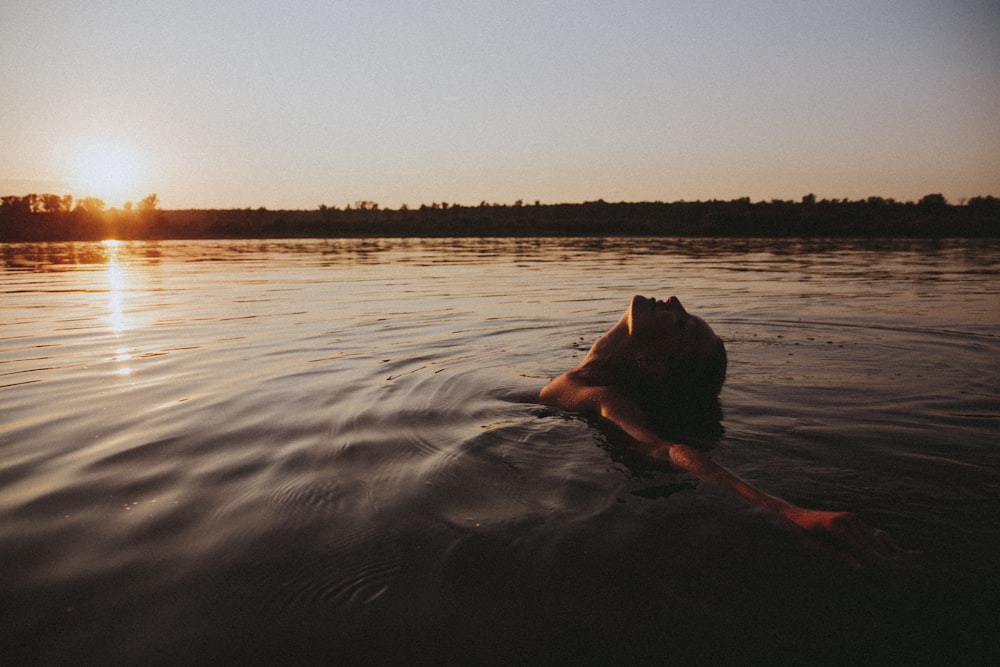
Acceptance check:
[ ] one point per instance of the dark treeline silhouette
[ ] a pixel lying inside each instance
(55, 218)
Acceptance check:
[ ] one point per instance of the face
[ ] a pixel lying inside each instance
(664, 329)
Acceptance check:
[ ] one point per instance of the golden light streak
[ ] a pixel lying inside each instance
(117, 285)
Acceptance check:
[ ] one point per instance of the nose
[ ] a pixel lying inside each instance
(674, 304)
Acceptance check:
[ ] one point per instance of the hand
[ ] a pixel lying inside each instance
(871, 543)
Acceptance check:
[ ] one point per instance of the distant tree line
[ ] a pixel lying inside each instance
(48, 217)
(50, 203)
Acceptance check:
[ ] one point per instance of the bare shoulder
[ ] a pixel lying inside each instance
(571, 391)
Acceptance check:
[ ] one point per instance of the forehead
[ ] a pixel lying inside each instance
(696, 335)
(701, 324)
(699, 327)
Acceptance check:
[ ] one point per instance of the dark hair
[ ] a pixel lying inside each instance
(690, 384)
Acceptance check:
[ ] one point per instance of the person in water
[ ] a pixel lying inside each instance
(657, 358)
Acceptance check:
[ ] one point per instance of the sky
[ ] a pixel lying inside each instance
(291, 104)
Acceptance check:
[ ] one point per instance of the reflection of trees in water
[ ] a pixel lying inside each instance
(59, 256)
(470, 250)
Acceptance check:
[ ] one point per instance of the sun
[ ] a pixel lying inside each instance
(108, 169)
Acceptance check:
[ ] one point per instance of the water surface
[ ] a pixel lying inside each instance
(302, 449)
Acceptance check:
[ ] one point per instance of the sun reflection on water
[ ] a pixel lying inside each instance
(122, 356)
(117, 283)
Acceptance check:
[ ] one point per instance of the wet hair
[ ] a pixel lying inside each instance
(700, 375)
(689, 389)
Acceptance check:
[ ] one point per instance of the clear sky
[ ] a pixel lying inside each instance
(289, 104)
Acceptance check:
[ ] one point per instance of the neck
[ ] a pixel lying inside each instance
(607, 358)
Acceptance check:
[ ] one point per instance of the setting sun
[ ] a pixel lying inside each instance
(109, 170)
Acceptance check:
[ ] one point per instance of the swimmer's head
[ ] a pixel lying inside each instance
(660, 352)
(670, 353)
(675, 367)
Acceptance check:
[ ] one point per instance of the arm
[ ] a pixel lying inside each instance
(843, 526)
(567, 392)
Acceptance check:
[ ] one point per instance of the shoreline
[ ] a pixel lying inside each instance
(873, 218)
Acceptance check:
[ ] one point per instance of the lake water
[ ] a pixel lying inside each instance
(258, 451)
